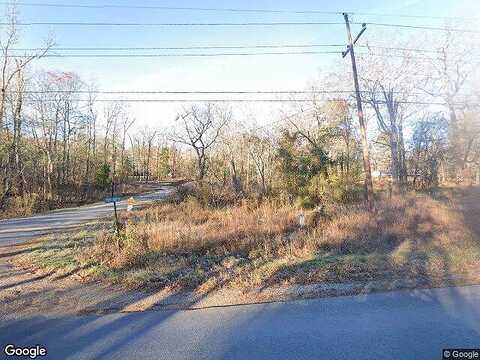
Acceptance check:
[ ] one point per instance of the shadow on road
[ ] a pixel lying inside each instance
(392, 325)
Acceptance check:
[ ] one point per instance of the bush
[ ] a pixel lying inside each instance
(214, 196)
(25, 205)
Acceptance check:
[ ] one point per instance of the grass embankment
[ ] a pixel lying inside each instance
(186, 246)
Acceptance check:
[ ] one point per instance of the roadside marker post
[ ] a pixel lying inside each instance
(130, 203)
(114, 199)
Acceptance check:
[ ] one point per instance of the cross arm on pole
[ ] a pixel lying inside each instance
(346, 52)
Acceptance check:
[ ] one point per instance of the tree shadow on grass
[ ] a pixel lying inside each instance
(389, 259)
(102, 329)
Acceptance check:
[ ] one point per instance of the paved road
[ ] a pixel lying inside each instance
(14, 231)
(398, 325)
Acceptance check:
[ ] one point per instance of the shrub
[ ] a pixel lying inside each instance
(214, 196)
(25, 205)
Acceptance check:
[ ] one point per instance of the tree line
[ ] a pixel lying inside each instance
(422, 113)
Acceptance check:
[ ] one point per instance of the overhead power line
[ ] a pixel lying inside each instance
(233, 101)
(178, 100)
(193, 54)
(225, 47)
(179, 55)
(363, 54)
(152, 92)
(159, 7)
(133, 24)
(207, 92)
(213, 9)
(420, 27)
(398, 48)
(232, 24)
(410, 16)
(211, 47)
(367, 54)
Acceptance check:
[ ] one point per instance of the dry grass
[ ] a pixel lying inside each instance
(186, 246)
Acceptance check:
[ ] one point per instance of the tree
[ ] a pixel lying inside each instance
(300, 163)
(342, 138)
(261, 153)
(465, 145)
(200, 128)
(12, 86)
(429, 147)
(388, 84)
(450, 72)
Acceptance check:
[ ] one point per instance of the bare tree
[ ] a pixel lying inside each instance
(9, 68)
(12, 86)
(261, 152)
(388, 88)
(200, 128)
(126, 125)
(429, 147)
(450, 71)
(148, 139)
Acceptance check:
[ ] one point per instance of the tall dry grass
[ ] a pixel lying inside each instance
(413, 234)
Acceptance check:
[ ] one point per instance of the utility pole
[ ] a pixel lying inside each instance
(361, 118)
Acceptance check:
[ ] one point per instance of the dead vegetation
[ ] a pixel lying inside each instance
(189, 247)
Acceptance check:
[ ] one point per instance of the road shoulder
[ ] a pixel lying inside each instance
(25, 291)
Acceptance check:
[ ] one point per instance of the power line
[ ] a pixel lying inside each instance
(279, 46)
(134, 24)
(224, 54)
(177, 100)
(233, 101)
(398, 48)
(177, 55)
(206, 55)
(152, 92)
(215, 47)
(409, 16)
(156, 7)
(421, 27)
(366, 54)
(207, 92)
(212, 9)
(234, 24)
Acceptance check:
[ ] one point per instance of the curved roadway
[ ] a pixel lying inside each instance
(15, 231)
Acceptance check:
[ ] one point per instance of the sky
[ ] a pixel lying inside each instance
(287, 72)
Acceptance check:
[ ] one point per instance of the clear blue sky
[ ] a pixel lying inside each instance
(229, 73)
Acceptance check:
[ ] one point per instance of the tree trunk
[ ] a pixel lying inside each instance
(394, 162)
(402, 157)
(16, 173)
(236, 181)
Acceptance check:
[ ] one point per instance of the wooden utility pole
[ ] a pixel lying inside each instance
(361, 118)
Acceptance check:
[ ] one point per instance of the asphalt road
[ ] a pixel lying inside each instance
(14, 231)
(398, 325)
